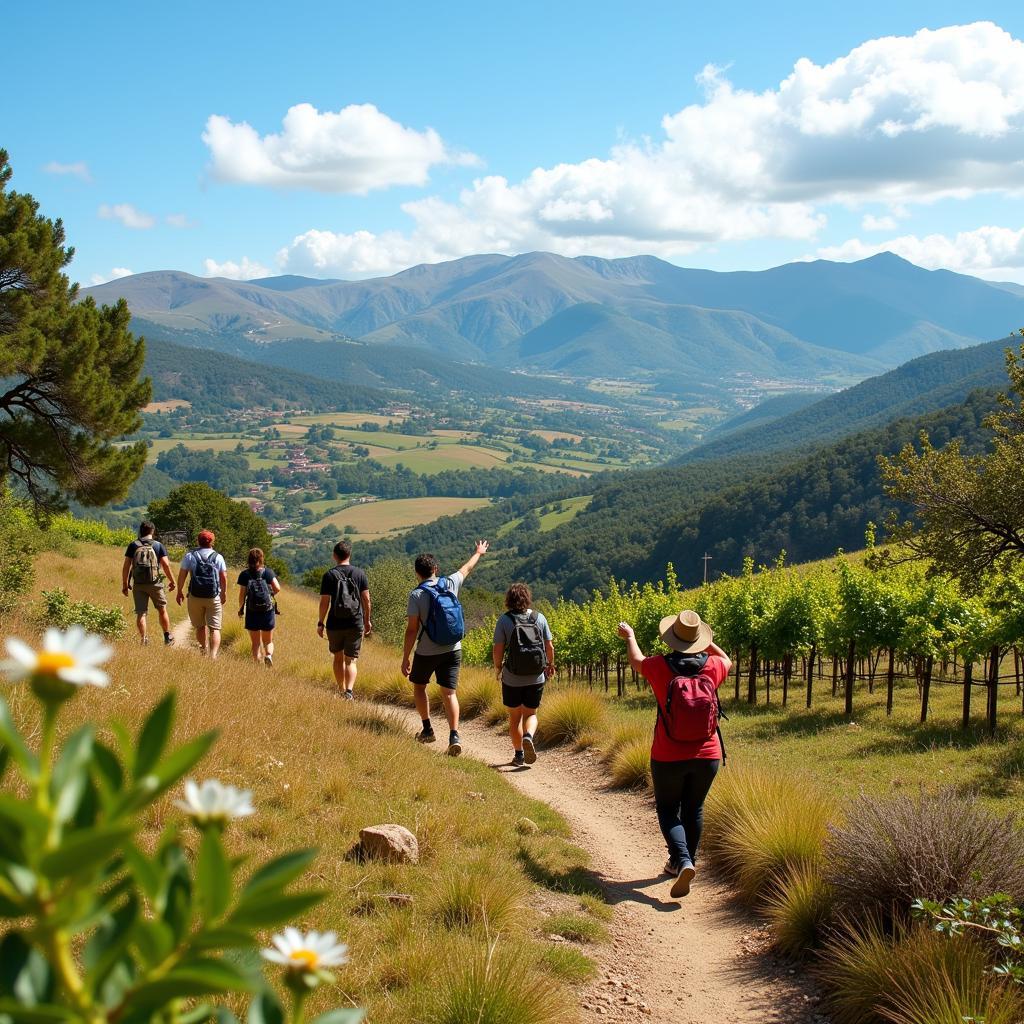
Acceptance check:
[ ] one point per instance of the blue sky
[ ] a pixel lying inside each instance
(735, 137)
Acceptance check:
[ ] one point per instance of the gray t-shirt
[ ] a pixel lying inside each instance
(502, 632)
(419, 605)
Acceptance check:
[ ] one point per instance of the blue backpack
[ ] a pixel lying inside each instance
(205, 580)
(444, 623)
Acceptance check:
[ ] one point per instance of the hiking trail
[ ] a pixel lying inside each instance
(700, 960)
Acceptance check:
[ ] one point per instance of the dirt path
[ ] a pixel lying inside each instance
(695, 961)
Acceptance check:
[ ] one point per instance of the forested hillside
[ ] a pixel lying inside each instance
(808, 505)
(923, 385)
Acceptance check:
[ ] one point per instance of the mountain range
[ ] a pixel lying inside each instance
(637, 317)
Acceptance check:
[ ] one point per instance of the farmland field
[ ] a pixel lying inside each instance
(570, 508)
(381, 518)
(344, 419)
(451, 456)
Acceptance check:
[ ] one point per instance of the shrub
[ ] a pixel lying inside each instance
(478, 693)
(893, 850)
(800, 911)
(16, 577)
(59, 610)
(487, 898)
(571, 713)
(920, 978)
(497, 989)
(91, 531)
(760, 829)
(631, 766)
(569, 964)
(575, 927)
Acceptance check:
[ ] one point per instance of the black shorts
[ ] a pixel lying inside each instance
(522, 696)
(444, 667)
(345, 641)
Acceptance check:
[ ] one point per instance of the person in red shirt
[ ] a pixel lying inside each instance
(682, 771)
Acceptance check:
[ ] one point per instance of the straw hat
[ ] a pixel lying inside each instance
(685, 632)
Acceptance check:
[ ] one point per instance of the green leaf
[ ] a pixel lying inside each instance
(277, 873)
(348, 1015)
(168, 772)
(198, 978)
(25, 974)
(11, 741)
(143, 870)
(69, 774)
(39, 1014)
(108, 768)
(223, 937)
(153, 939)
(22, 829)
(153, 737)
(108, 942)
(265, 1008)
(213, 875)
(84, 852)
(273, 910)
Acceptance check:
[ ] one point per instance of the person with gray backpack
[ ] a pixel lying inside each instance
(143, 573)
(524, 660)
(207, 590)
(344, 616)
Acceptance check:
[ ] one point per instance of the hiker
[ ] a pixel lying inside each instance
(207, 591)
(687, 749)
(524, 659)
(435, 628)
(144, 570)
(344, 615)
(257, 588)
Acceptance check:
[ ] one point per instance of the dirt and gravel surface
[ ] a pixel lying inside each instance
(698, 960)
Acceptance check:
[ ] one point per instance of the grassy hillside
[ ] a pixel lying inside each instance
(320, 770)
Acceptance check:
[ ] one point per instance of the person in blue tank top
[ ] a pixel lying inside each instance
(438, 658)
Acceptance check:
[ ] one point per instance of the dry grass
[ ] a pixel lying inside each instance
(631, 765)
(571, 714)
(479, 692)
(800, 911)
(321, 770)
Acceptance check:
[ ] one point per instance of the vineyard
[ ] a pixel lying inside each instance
(844, 624)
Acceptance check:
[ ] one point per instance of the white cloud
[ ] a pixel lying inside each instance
(127, 214)
(178, 220)
(872, 223)
(114, 274)
(354, 150)
(246, 270)
(991, 252)
(898, 121)
(78, 169)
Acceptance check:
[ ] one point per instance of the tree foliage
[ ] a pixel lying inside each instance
(968, 509)
(69, 370)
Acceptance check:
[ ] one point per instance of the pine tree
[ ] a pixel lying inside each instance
(69, 370)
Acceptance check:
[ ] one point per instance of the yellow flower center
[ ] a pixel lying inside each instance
(304, 958)
(49, 663)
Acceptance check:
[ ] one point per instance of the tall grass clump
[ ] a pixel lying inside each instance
(760, 829)
(630, 768)
(497, 989)
(570, 714)
(890, 851)
(624, 732)
(478, 692)
(920, 977)
(387, 688)
(800, 910)
(468, 898)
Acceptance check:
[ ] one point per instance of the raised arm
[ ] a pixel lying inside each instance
(633, 652)
(481, 549)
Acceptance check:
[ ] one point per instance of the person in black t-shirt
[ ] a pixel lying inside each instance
(146, 585)
(342, 586)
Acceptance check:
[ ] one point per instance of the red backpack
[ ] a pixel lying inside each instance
(692, 710)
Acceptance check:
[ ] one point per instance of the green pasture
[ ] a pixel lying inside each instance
(380, 518)
(571, 507)
(449, 456)
(344, 419)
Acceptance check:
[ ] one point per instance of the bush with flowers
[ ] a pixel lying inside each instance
(99, 929)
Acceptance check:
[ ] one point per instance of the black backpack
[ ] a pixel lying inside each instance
(347, 606)
(205, 580)
(525, 653)
(258, 595)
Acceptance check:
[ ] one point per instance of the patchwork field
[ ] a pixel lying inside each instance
(380, 518)
(570, 508)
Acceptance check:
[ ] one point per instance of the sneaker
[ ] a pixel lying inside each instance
(529, 750)
(518, 760)
(349, 695)
(454, 745)
(168, 640)
(670, 868)
(426, 736)
(268, 660)
(145, 641)
(681, 886)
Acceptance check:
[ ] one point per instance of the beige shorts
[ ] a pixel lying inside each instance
(143, 593)
(205, 611)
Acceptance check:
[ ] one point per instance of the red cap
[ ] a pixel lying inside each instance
(206, 538)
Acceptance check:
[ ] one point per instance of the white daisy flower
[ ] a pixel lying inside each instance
(72, 657)
(307, 953)
(215, 803)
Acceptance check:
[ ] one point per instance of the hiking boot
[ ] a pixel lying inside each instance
(518, 760)
(268, 660)
(426, 736)
(348, 695)
(681, 886)
(529, 750)
(454, 745)
(168, 640)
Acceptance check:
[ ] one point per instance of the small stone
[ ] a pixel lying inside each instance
(556, 938)
(527, 827)
(399, 899)
(391, 843)
(475, 796)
